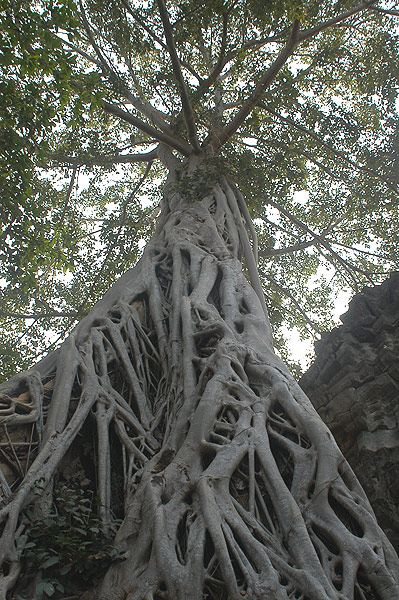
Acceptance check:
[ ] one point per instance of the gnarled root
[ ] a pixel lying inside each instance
(231, 485)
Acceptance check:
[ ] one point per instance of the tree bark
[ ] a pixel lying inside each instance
(232, 485)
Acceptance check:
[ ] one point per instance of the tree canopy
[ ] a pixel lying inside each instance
(284, 97)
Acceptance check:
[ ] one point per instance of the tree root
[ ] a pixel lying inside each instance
(232, 486)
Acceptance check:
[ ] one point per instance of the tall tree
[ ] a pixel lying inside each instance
(167, 401)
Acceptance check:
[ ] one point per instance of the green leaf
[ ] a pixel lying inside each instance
(45, 587)
(50, 562)
(65, 570)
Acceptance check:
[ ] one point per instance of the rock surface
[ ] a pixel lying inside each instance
(354, 385)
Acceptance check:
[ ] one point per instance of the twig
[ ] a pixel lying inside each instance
(77, 50)
(218, 68)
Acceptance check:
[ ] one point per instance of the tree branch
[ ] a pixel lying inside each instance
(287, 250)
(345, 273)
(36, 316)
(289, 295)
(307, 33)
(353, 249)
(217, 140)
(187, 108)
(104, 160)
(156, 38)
(317, 163)
(320, 240)
(301, 244)
(276, 226)
(143, 106)
(116, 238)
(386, 11)
(174, 142)
(69, 192)
(338, 153)
(92, 40)
(77, 50)
(296, 151)
(218, 68)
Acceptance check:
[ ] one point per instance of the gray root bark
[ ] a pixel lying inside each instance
(232, 485)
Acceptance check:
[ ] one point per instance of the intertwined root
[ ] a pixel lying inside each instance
(194, 432)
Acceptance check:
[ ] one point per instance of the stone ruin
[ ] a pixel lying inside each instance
(354, 385)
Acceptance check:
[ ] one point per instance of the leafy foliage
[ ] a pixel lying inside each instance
(325, 126)
(67, 550)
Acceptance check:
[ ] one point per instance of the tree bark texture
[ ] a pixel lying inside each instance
(231, 485)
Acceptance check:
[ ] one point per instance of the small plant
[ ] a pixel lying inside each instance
(68, 550)
(200, 182)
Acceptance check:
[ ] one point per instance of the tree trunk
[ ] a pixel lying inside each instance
(232, 486)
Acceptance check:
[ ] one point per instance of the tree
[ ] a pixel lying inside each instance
(167, 401)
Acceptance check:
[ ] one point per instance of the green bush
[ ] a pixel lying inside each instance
(68, 550)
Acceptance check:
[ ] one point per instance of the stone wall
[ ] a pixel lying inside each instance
(354, 385)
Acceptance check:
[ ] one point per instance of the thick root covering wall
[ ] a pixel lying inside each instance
(170, 399)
